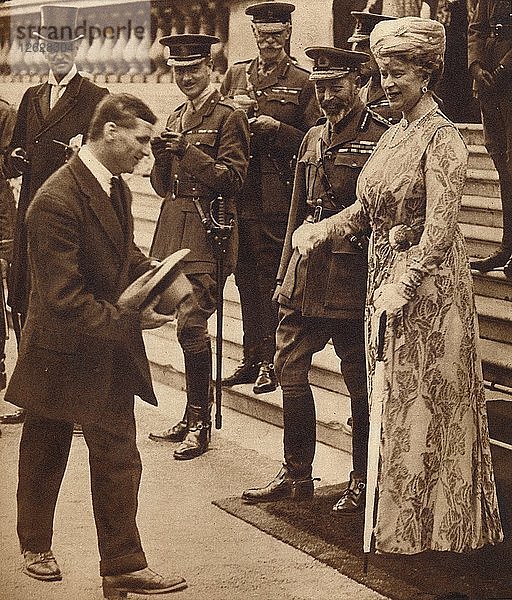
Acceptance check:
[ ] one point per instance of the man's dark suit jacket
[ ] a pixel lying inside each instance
(36, 128)
(75, 342)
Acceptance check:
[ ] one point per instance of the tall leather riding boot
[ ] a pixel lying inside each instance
(198, 368)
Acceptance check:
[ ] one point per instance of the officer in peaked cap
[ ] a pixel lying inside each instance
(202, 154)
(280, 101)
(371, 92)
(60, 109)
(186, 50)
(322, 296)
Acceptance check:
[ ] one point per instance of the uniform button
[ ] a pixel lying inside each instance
(354, 164)
(37, 141)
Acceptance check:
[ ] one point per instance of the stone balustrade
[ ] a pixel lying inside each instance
(120, 42)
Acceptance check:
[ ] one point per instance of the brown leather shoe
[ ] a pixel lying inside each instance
(176, 433)
(144, 581)
(266, 380)
(13, 418)
(353, 498)
(282, 487)
(41, 565)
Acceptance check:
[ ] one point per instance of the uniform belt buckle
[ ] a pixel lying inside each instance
(317, 215)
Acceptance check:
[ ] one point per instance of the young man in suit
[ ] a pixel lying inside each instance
(81, 355)
(56, 111)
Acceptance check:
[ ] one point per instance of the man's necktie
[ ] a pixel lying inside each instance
(117, 198)
(55, 93)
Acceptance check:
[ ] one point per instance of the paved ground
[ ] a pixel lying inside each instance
(221, 557)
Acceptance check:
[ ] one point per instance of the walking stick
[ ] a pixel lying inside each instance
(220, 233)
(378, 393)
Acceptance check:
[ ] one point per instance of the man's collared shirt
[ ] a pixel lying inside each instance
(99, 171)
(59, 87)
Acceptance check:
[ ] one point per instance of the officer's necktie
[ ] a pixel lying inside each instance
(117, 198)
(187, 115)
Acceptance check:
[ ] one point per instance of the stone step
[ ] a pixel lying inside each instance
(482, 182)
(333, 409)
(496, 362)
(493, 284)
(472, 133)
(480, 240)
(479, 210)
(495, 318)
(479, 158)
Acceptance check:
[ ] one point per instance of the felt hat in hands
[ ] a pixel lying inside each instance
(165, 279)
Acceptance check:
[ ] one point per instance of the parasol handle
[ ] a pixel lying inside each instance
(381, 335)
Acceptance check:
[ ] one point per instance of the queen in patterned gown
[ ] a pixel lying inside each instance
(436, 487)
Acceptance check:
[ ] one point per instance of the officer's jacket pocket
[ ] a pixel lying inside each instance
(203, 137)
(346, 282)
(350, 159)
(284, 95)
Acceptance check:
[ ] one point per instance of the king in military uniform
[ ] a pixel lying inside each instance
(201, 156)
(281, 105)
(322, 296)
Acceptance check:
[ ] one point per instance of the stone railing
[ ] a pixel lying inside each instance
(120, 42)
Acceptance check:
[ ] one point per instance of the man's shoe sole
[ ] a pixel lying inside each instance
(264, 389)
(168, 590)
(43, 577)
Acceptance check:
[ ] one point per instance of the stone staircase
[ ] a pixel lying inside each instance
(481, 223)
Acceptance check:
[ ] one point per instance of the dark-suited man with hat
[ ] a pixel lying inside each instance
(202, 155)
(490, 65)
(322, 297)
(61, 110)
(281, 104)
(81, 355)
(371, 92)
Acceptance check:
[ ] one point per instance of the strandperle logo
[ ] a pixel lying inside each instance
(24, 33)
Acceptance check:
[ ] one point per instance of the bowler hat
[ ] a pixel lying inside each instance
(365, 22)
(166, 279)
(271, 17)
(59, 23)
(187, 49)
(330, 63)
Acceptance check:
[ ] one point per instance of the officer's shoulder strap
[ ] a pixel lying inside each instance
(225, 101)
(243, 62)
(300, 67)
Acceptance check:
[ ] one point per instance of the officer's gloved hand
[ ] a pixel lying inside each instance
(483, 79)
(19, 160)
(389, 298)
(244, 102)
(308, 236)
(159, 148)
(264, 124)
(175, 143)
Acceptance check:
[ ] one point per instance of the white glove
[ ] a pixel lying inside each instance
(389, 298)
(308, 236)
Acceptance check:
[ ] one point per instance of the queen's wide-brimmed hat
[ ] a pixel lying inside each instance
(408, 34)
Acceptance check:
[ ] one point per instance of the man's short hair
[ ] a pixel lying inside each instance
(121, 109)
